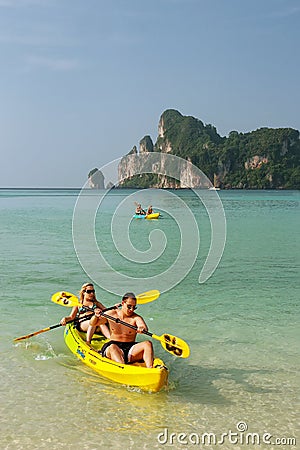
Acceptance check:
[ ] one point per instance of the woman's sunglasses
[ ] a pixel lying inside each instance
(90, 291)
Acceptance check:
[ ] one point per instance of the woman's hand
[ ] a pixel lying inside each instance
(97, 312)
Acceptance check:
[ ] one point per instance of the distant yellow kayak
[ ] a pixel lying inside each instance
(136, 374)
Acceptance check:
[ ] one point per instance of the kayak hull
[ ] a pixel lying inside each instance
(147, 216)
(135, 374)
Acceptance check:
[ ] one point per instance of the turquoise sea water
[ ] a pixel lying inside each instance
(242, 326)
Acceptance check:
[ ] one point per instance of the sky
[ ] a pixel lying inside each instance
(83, 81)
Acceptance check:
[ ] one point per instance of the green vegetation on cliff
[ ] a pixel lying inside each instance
(263, 159)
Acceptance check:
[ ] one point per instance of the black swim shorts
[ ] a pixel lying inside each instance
(124, 346)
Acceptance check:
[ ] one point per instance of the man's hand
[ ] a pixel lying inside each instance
(141, 329)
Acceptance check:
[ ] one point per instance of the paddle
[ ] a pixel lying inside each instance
(70, 300)
(147, 297)
(172, 344)
(82, 319)
(67, 299)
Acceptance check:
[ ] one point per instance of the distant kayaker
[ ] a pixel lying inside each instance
(122, 347)
(139, 210)
(88, 302)
(149, 210)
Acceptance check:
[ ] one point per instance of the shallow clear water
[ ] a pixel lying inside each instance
(242, 326)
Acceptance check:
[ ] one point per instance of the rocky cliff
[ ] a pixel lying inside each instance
(262, 159)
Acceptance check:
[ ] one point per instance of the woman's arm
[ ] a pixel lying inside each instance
(72, 316)
(100, 305)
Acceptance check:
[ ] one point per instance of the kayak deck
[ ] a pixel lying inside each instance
(136, 374)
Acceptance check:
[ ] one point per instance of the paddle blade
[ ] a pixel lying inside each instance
(147, 297)
(27, 336)
(64, 298)
(175, 345)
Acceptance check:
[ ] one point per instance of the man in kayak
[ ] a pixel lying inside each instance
(139, 210)
(122, 347)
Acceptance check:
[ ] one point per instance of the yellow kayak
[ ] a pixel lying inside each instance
(135, 374)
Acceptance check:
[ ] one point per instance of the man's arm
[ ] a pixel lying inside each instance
(141, 324)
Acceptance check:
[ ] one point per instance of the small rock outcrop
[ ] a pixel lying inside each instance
(96, 179)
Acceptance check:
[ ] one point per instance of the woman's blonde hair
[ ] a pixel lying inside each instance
(82, 291)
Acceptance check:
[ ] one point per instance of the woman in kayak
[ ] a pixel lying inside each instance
(89, 303)
(149, 210)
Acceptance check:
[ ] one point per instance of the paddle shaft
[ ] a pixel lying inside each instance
(117, 320)
(82, 319)
(171, 347)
